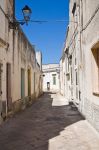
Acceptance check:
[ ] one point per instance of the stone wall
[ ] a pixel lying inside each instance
(20, 74)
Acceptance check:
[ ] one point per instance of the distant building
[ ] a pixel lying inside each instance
(50, 77)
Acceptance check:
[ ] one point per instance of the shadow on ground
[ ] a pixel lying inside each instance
(33, 128)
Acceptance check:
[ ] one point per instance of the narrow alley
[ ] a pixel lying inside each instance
(49, 124)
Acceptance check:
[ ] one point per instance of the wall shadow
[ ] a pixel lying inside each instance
(33, 128)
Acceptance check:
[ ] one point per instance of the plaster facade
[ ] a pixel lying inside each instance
(50, 77)
(20, 73)
(81, 56)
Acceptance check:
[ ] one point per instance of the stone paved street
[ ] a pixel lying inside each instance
(49, 124)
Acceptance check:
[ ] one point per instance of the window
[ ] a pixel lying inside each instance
(54, 79)
(71, 76)
(74, 8)
(75, 61)
(53, 74)
(95, 68)
(76, 78)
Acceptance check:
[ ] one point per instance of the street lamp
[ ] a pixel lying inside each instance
(13, 24)
(26, 13)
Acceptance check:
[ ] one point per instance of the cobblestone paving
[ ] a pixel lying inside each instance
(46, 127)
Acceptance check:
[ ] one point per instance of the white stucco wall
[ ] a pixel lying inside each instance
(48, 72)
(81, 38)
(18, 52)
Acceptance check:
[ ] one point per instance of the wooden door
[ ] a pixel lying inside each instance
(8, 86)
(0, 88)
(48, 86)
(22, 83)
(29, 82)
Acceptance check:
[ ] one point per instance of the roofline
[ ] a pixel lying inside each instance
(51, 64)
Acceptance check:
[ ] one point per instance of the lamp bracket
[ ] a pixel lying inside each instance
(15, 24)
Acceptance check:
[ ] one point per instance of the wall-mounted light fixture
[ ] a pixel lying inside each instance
(26, 13)
(13, 24)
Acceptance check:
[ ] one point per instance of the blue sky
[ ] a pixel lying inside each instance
(47, 37)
